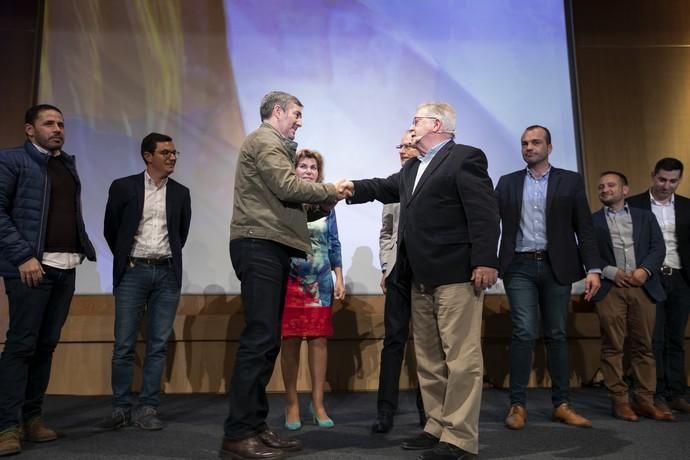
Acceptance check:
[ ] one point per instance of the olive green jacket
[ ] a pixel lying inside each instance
(268, 201)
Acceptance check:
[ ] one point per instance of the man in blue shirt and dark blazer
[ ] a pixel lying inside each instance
(632, 249)
(146, 225)
(547, 237)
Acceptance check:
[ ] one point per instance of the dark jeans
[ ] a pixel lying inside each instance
(262, 268)
(533, 292)
(396, 320)
(36, 319)
(150, 289)
(669, 334)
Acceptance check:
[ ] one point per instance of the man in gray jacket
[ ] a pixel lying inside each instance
(269, 226)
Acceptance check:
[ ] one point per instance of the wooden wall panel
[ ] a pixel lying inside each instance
(633, 62)
(205, 339)
(19, 32)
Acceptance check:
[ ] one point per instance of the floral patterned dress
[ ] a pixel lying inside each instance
(309, 295)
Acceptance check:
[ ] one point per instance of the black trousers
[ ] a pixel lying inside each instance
(669, 335)
(396, 320)
(262, 268)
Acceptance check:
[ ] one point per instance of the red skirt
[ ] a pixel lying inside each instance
(304, 316)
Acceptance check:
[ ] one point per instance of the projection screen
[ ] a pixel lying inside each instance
(197, 71)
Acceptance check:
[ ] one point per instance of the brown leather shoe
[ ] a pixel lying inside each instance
(273, 439)
(662, 406)
(566, 414)
(650, 411)
(517, 417)
(9, 442)
(623, 411)
(249, 449)
(680, 405)
(36, 431)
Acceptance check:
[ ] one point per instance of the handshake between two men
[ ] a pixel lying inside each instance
(344, 189)
(482, 277)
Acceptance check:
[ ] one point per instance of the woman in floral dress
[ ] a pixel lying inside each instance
(310, 295)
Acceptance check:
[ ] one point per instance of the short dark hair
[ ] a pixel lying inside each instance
(270, 100)
(546, 130)
(148, 144)
(33, 112)
(615, 173)
(669, 164)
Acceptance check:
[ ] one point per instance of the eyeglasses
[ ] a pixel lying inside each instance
(415, 120)
(167, 153)
(404, 146)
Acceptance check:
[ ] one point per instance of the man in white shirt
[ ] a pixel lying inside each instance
(42, 240)
(672, 212)
(146, 225)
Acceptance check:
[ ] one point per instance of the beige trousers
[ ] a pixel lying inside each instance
(447, 323)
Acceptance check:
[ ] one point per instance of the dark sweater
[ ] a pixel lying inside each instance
(61, 231)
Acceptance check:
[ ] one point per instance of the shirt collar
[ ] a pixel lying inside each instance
(653, 201)
(44, 151)
(610, 210)
(149, 181)
(543, 177)
(432, 151)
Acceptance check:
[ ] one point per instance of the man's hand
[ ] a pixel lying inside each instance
(31, 272)
(484, 277)
(592, 285)
(383, 283)
(622, 279)
(344, 188)
(638, 277)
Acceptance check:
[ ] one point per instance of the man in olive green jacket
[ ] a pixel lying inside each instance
(269, 225)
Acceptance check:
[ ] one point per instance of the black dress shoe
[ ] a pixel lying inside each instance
(383, 423)
(420, 442)
(273, 439)
(446, 451)
(249, 449)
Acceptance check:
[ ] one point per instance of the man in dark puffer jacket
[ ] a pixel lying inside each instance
(42, 240)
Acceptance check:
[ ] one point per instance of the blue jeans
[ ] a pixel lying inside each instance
(144, 288)
(262, 268)
(36, 319)
(669, 335)
(533, 292)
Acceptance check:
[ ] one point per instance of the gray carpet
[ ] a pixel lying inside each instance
(195, 428)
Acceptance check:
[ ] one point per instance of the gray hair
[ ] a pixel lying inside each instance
(443, 111)
(270, 100)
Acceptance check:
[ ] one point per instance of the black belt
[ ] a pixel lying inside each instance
(150, 261)
(667, 271)
(536, 255)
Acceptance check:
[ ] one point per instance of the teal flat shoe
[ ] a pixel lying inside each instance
(325, 423)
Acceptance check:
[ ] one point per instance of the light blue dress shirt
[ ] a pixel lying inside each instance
(531, 235)
(425, 159)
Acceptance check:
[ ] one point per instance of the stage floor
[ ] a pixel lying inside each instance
(195, 422)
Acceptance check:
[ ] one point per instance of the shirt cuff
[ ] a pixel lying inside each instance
(610, 272)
